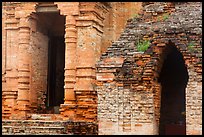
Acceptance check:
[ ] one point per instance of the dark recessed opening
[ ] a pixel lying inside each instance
(173, 79)
(52, 24)
(56, 57)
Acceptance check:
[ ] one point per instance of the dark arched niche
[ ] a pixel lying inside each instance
(173, 79)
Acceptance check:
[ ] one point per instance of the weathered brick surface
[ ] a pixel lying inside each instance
(32, 127)
(48, 127)
(136, 78)
(82, 128)
(27, 29)
(115, 21)
(9, 61)
(39, 64)
(117, 86)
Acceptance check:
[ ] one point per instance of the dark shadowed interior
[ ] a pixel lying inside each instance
(173, 79)
(52, 24)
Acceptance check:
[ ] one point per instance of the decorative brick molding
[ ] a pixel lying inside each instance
(26, 39)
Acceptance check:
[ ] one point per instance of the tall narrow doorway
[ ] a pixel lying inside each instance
(173, 79)
(56, 62)
(52, 24)
(56, 59)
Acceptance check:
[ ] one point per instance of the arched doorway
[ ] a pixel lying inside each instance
(173, 79)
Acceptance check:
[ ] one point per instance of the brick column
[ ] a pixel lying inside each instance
(33, 93)
(68, 108)
(9, 66)
(90, 31)
(23, 70)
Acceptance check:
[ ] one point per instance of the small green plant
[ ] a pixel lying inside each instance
(165, 16)
(191, 46)
(136, 15)
(142, 45)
